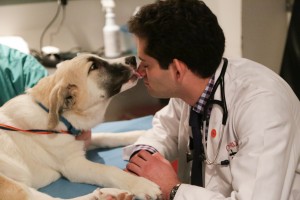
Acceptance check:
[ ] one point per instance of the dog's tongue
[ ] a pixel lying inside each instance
(139, 76)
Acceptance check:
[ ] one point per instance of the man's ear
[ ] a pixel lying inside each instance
(179, 69)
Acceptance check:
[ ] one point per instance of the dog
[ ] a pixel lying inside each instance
(38, 131)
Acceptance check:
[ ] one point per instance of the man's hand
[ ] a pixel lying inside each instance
(85, 136)
(155, 168)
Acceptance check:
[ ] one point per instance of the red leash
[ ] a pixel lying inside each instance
(36, 131)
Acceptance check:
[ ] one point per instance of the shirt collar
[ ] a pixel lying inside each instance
(199, 106)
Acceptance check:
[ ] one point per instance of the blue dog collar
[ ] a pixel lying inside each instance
(71, 129)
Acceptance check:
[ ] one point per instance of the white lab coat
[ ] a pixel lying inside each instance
(263, 128)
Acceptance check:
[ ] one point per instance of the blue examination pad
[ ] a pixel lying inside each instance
(62, 188)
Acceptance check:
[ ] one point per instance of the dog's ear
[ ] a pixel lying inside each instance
(62, 98)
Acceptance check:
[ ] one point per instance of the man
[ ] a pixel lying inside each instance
(249, 144)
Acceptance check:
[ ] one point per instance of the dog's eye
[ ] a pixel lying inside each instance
(93, 67)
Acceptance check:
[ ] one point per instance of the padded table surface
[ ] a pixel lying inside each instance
(62, 188)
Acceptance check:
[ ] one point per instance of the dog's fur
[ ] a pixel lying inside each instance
(80, 91)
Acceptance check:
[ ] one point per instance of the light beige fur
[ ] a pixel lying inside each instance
(80, 90)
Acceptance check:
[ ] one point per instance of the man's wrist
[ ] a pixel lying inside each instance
(174, 191)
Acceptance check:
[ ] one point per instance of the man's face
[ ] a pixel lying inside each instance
(159, 82)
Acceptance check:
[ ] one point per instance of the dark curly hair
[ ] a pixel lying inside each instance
(183, 29)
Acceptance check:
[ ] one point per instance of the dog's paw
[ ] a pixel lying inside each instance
(112, 194)
(145, 190)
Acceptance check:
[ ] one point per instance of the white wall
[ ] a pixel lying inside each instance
(229, 15)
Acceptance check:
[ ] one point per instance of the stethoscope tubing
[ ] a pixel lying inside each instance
(223, 105)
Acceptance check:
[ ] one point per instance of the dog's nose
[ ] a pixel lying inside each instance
(130, 60)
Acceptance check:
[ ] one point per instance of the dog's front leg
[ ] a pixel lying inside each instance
(111, 140)
(84, 171)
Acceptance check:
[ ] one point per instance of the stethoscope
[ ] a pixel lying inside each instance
(222, 103)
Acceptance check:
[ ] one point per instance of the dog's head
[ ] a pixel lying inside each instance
(84, 85)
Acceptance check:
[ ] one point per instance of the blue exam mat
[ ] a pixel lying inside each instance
(62, 188)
